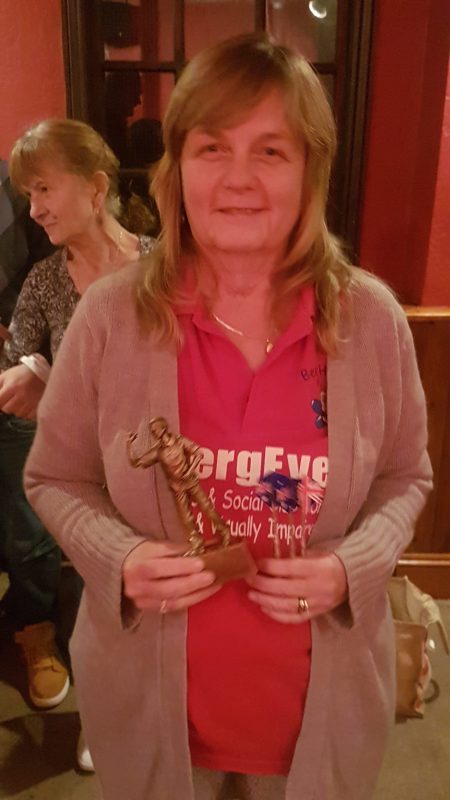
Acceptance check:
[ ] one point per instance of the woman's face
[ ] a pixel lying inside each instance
(62, 203)
(242, 186)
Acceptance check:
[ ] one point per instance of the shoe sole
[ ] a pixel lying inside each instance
(50, 702)
(84, 758)
(84, 764)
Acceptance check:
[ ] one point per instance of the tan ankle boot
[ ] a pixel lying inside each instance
(48, 679)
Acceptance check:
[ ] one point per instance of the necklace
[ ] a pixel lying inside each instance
(119, 241)
(268, 342)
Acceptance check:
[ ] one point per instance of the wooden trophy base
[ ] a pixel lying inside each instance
(228, 563)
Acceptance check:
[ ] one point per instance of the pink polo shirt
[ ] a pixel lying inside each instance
(265, 464)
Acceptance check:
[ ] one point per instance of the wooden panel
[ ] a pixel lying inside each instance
(427, 562)
(431, 331)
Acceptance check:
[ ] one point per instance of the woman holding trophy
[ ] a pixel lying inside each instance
(261, 665)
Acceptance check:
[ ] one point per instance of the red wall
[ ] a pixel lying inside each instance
(437, 279)
(31, 66)
(409, 76)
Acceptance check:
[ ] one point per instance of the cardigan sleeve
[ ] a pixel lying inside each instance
(384, 525)
(64, 477)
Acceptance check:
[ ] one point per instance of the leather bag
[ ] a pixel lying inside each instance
(413, 612)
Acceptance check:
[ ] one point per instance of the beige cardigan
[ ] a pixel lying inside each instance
(109, 379)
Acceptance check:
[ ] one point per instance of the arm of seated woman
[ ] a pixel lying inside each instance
(20, 391)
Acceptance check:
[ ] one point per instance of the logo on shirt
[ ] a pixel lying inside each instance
(247, 466)
(320, 409)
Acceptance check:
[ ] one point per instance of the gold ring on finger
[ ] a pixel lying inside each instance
(302, 605)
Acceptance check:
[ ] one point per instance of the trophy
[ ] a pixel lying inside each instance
(179, 459)
(284, 494)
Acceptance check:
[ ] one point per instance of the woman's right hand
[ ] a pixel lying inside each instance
(157, 576)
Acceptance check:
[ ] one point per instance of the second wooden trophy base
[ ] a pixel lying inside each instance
(229, 563)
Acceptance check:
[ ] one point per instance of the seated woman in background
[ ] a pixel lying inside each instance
(252, 335)
(70, 176)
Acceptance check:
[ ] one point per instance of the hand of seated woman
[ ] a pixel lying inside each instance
(157, 576)
(20, 392)
(281, 584)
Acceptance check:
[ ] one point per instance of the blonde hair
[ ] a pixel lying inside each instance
(74, 145)
(218, 88)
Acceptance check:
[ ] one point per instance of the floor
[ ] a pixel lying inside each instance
(37, 749)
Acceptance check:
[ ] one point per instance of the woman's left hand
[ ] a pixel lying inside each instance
(20, 391)
(293, 590)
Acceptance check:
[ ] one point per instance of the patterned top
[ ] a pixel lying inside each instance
(45, 307)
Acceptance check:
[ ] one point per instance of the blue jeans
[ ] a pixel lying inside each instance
(28, 553)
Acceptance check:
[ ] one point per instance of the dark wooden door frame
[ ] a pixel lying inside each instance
(83, 74)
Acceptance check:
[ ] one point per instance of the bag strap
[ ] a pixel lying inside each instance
(444, 636)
